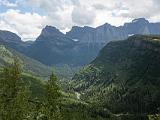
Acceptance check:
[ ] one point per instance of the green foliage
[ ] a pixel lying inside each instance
(128, 78)
(52, 99)
(154, 117)
(28, 65)
(65, 71)
(24, 97)
(14, 95)
(16, 102)
(52, 90)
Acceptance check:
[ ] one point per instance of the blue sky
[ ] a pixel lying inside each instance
(28, 17)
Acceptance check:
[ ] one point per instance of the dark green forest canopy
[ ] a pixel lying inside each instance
(23, 96)
(125, 77)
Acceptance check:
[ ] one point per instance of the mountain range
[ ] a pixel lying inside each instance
(80, 45)
(121, 80)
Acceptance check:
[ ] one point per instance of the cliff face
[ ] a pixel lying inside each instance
(106, 33)
(100, 35)
(147, 42)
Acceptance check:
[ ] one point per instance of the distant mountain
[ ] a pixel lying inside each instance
(141, 26)
(8, 36)
(99, 35)
(29, 65)
(79, 33)
(54, 48)
(78, 46)
(125, 77)
(12, 40)
(107, 32)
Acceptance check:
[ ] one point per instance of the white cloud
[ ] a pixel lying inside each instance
(82, 15)
(64, 14)
(7, 3)
(26, 25)
(99, 6)
(58, 12)
(141, 8)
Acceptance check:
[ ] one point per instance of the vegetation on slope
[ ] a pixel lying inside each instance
(29, 65)
(24, 97)
(125, 77)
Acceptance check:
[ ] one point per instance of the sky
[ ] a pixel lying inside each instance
(28, 17)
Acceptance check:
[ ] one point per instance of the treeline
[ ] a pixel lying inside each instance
(16, 102)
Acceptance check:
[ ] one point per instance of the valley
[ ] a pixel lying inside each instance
(102, 73)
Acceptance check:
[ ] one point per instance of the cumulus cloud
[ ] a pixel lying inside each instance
(26, 25)
(141, 8)
(99, 7)
(64, 14)
(58, 12)
(81, 15)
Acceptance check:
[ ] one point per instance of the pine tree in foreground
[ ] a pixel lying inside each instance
(50, 108)
(14, 95)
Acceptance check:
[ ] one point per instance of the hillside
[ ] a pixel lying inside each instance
(29, 65)
(72, 108)
(125, 77)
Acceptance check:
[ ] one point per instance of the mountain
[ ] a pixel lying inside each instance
(29, 65)
(12, 40)
(53, 47)
(125, 77)
(8, 36)
(105, 33)
(80, 33)
(100, 35)
(142, 26)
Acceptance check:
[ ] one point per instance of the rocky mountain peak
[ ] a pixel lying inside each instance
(8, 36)
(140, 20)
(77, 28)
(51, 31)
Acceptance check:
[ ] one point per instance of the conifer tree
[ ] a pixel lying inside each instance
(13, 94)
(52, 111)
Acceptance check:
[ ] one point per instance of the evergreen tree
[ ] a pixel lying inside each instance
(13, 94)
(50, 109)
(53, 91)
